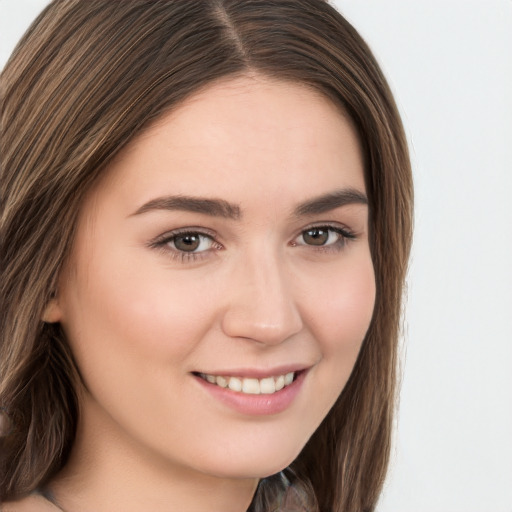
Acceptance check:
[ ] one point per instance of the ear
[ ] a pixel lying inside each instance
(52, 312)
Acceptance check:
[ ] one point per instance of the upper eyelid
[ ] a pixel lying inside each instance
(161, 244)
(191, 229)
(326, 224)
(345, 233)
(168, 235)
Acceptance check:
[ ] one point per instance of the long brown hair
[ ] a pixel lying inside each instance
(85, 79)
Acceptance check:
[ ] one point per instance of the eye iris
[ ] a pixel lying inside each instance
(187, 242)
(316, 236)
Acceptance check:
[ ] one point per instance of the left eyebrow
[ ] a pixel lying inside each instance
(331, 201)
(211, 207)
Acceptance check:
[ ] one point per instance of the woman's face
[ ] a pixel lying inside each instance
(226, 246)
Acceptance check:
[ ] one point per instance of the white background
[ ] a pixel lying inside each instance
(449, 63)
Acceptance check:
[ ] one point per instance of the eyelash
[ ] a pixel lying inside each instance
(345, 236)
(162, 242)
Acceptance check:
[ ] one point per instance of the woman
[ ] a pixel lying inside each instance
(206, 219)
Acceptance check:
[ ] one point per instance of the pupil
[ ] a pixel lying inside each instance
(316, 236)
(187, 243)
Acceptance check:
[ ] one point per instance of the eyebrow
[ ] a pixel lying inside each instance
(211, 207)
(222, 208)
(331, 201)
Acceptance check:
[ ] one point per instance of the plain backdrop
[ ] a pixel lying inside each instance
(449, 63)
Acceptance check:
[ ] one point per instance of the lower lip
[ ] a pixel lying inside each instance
(256, 405)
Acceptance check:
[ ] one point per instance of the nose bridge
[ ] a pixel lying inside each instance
(262, 305)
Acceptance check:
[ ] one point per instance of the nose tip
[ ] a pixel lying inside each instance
(264, 320)
(263, 310)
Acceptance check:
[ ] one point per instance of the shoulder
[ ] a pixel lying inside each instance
(32, 503)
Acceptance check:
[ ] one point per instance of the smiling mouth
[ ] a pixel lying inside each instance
(251, 386)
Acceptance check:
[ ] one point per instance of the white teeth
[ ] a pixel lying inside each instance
(221, 381)
(251, 386)
(235, 384)
(268, 386)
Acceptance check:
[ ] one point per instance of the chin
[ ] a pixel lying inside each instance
(253, 465)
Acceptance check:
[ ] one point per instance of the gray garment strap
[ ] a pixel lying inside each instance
(48, 495)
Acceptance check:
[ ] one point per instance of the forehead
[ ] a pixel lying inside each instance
(262, 136)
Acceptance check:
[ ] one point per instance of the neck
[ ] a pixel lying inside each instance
(108, 470)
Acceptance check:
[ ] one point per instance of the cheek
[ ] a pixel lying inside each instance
(120, 305)
(339, 318)
(132, 329)
(340, 310)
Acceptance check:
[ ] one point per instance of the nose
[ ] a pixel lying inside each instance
(261, 304)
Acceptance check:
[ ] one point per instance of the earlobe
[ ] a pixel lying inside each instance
(52, 312)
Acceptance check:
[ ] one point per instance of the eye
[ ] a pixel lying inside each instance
(186, 245)
(324, 236)
(191, 242)
(319, 236)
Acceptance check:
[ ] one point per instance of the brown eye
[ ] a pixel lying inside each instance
(191, 242)
(187, 242)
(328, 237)
(316, 236)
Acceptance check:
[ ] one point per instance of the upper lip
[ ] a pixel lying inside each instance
(257, 373)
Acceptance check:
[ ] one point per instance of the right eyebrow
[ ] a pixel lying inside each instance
(331, 201)
(211, 207)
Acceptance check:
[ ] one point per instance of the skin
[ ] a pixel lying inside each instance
(141, 318)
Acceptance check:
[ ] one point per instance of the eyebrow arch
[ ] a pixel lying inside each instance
(221, 208)
(211, 207)
(328, 202)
